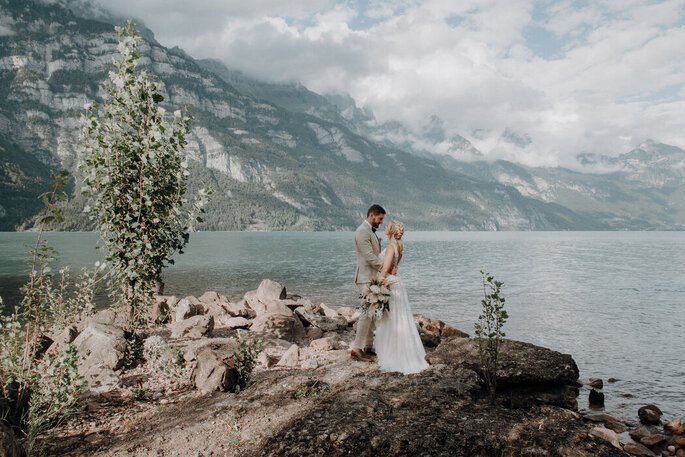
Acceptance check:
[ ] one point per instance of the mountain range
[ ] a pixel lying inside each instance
(281, 157)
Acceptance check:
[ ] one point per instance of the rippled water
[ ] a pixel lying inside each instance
(613, 300)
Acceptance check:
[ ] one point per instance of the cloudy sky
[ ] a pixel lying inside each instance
(574, 76)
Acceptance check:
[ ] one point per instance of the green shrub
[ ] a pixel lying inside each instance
(489, 331)
(37, 391)
(245, 359)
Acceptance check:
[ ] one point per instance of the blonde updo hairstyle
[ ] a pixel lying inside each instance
(396, 230)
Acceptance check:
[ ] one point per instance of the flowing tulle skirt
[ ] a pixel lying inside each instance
(397, 340)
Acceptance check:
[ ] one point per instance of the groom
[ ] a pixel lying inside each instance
(368, 247)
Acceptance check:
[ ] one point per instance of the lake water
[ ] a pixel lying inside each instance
(615, 301)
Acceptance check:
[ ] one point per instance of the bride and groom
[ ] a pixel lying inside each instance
(396, 341)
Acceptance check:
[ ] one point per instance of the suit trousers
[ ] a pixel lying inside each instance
(366, 325)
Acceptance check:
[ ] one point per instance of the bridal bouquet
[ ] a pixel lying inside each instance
(376, 297)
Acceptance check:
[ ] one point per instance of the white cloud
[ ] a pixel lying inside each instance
(469, 62)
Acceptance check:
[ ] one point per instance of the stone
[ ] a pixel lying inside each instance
(680, 453)
(612, 380)
(240, 310)
(107, 316)
(326, 344)
(190, 348)
(215, 309)
(649, 415)
(271, 290)
(266, 360)
(346, 311)
(638, 449)
(671, 450)
(609, 422)
(642, 432)
(676, 426)
(314, 333)
(596, 383)
(653, 440)
(309, 316)
(194, 327)
(66, 336)
(231, 322)
(212, 373)
(99, 378)
(100, 344)
(278, 325)
(596, 399)
(309, 364)
(437, 327)
(291, 357)
(9, 445)
(428, 339)
(679, 441)
(187, 308)
(328, 312)
(209, 297)
(606, 435)
(450, 332)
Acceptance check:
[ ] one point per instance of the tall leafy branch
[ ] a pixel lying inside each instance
(489, 332)
(136, 177)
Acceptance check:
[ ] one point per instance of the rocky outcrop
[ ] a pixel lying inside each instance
(193, 327)
(309, 398)
(527, 373)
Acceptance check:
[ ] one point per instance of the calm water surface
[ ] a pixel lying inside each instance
(613, 300)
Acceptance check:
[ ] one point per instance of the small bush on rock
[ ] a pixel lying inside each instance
(489, 331)
(245, 359)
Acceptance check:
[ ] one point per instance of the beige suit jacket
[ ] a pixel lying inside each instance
(368, 248)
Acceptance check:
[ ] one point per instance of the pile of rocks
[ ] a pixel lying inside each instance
(652, 438)
(206, 332)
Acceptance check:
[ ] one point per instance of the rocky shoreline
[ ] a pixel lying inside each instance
(309, 399)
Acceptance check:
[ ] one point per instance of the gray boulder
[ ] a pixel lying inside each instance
(311, 316)
(194, 327)
(209, 297)
(187, 308)
(66, 336)
(291, 357)
(212, 372)
(649, 415)
(271, 290)
(100, 344)
(240, 310)
(229, 322)
(278, 325)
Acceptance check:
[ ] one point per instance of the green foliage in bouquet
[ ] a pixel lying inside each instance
(489, 332)
(136, 177)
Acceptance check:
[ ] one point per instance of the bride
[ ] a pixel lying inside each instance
(397, 342)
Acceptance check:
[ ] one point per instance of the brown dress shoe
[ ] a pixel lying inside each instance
(358, 354)
(368, 350)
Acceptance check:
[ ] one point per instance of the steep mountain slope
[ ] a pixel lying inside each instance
(272, 168)
(641, 189)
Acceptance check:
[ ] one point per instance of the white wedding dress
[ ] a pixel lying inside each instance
(397, 342)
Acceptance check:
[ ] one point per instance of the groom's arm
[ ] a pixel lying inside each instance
(365, 247)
